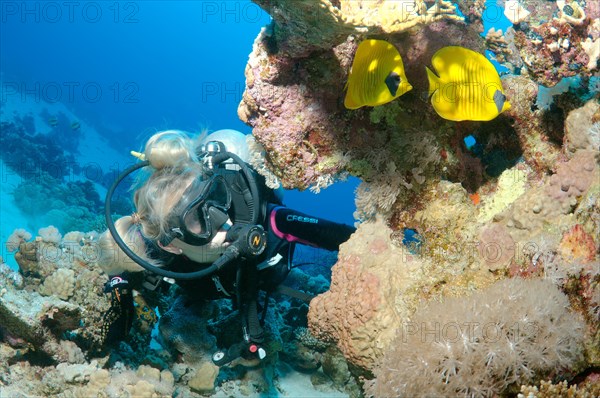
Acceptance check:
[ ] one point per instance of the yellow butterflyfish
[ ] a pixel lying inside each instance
(377, 75)
(468, 86)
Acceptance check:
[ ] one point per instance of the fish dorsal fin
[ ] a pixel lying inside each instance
(449, 59)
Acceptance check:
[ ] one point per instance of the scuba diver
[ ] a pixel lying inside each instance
(206, 221)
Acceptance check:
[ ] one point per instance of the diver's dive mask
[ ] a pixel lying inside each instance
(201, 212)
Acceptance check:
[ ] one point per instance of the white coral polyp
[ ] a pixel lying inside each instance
(479, 345)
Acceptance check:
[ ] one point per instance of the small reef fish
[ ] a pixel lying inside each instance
(53, 121)
(468, 86)
(377, 75)
(75, 125)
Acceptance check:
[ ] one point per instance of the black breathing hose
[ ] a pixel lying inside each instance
(231, 252)
(221, 157)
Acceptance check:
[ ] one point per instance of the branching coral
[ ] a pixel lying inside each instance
(504, 335)
(303, 27)
(547, 389)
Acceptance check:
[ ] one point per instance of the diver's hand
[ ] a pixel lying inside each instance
(118, 319)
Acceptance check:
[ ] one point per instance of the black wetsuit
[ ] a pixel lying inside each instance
(242, 281)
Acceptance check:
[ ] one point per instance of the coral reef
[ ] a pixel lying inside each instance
(86, 380)
(376, 285)
(69, 206)
(65, 272)
(551, 48)
(520, 202)
(53, 186)
(51, 318)
(506, 225)
(30, 154)
(293, 101)
(528, 226)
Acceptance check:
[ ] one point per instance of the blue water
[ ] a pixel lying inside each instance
(132, 68)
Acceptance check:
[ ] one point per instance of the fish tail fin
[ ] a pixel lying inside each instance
(434, 81)
(349, 102)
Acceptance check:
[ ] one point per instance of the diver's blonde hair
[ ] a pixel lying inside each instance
(174, 167)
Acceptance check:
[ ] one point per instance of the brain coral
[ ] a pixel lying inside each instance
(356, 311)
(498, 337)
(582, 128)
(60, 284)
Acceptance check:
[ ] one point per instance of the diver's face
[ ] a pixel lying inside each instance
(201, 217)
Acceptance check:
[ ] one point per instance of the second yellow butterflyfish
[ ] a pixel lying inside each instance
(377, 75)
(468, 86)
